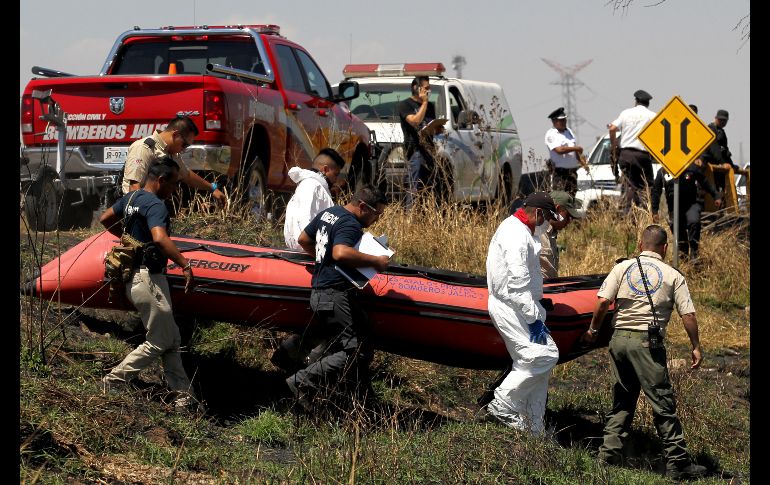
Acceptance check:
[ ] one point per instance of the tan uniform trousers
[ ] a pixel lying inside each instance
(151, 296)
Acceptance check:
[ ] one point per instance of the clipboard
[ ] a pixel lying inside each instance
(376, 246)
(431, 128)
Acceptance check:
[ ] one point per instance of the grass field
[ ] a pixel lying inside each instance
(422, 426)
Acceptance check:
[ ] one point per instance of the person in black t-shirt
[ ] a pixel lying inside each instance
(415, 112)
(146, 218)
(341, 322)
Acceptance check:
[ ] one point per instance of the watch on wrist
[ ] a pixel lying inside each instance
(592, 331)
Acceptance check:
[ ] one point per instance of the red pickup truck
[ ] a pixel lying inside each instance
(260, 101)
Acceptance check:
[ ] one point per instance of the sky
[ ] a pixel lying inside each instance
(689, 48)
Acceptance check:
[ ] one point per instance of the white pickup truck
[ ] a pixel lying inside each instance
(480, 139)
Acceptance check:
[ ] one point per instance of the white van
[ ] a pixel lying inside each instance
(480, 138)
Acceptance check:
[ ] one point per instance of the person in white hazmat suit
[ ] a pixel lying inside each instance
(312, 195)
(515, 286)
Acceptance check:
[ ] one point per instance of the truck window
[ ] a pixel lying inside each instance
(191, 57)
(377, 102)
(291, 76)
(456, 103)
(315, 78)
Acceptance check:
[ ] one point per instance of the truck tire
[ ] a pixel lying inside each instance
(254, 189)
(359, 172)
(75, 216)
(42, 205)
(505, 189)
(442, 180)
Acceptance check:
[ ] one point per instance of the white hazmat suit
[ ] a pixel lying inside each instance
(311, 196)
(515, 286)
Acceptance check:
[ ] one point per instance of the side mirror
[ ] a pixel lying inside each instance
(466, 119)
(346, 91)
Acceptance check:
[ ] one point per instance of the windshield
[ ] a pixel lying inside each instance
(189, 57)
(601, 154)
(377, 102)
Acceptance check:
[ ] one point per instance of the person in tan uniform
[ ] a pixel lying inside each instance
(179, 134)
(566, 208)
(643, 308)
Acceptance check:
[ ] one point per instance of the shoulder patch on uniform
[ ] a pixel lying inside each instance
(150, 142)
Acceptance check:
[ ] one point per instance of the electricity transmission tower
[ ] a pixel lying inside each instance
(458, 62)
(569, 83)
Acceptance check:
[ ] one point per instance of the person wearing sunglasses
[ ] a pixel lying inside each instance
(178, 135)
(342, 323)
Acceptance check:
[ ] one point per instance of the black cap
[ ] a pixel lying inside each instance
(557, 114)
(642, 95)
(543, 201)
(693, 107)
(722, 115)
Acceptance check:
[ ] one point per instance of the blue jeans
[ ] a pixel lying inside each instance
(413, 181)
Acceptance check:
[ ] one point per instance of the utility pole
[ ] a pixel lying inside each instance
(458, 62)
(569, 84)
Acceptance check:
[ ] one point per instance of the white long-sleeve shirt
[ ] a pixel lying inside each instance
(513, 271)
(311, 196)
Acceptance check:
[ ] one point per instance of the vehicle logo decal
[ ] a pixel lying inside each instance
(117, 104)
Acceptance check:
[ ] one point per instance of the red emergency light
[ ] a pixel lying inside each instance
(382, 70)
(261, 28)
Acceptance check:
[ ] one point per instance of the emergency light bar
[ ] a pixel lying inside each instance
(382, 70)
(261, 28)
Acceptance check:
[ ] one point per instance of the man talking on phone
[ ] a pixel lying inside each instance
(415, 112)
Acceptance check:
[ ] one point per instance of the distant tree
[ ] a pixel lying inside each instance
(743, 26)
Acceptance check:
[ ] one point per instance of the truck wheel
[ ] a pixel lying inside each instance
(42, 205)
(359, 172)
(254, 187)
(75, 216)
(443, 180)
(505, 189)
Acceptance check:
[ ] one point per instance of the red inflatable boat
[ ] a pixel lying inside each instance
(434, 315)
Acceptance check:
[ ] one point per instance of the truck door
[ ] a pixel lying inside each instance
(464, 146)
(303, 122)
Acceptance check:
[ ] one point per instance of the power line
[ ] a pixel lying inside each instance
(569, 84)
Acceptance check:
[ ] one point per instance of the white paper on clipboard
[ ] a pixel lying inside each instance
(432, 127)
(369, 245)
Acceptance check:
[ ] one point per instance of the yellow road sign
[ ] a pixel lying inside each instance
(676, 136)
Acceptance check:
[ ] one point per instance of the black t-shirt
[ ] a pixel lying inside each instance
(411, 136)
(145, 212)
(717, 152)
(335, 225)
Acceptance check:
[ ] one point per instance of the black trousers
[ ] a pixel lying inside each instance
(565, 179)
(342, 325)
(689, 227)
(637, 176)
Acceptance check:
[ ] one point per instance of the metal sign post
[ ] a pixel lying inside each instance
(676, 137)
(676, 222)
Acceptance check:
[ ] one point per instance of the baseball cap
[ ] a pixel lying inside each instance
(543, 201)
(722, 115)
(568, 202)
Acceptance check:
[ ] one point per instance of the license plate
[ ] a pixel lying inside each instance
(115, 154)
